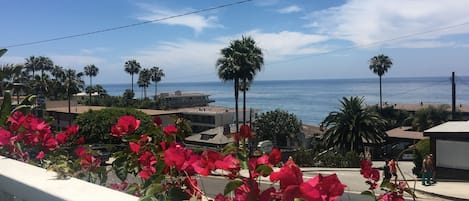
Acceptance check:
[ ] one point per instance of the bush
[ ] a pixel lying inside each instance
(352, 159)
(304, 157)
(95, 125)
(422, 149)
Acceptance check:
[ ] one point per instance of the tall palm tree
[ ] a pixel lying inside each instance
(351, 125)
(156, 75)
(73, 84)
(227, 71)
(144, 80)
(249, 58)
(380, 65)
(132, 67)
(91, 71)
(32, 64)
(3, 51)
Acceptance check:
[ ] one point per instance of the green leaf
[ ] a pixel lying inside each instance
(176, 194)
(387, 185)
(369, 193)
(6, 108)
(154, 189)
(232, 185)
(243, 158)
(132, 188)
(229, 148)
(264, 169)
(3, 51)
(120, 167)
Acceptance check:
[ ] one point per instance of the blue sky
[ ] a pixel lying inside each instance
(300, 39)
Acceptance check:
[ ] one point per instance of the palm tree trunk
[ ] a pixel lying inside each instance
(132, 75)
(91, 86)
(236, 83)
(156, 94)
(145, 92)
(244, 101)
(380, 97)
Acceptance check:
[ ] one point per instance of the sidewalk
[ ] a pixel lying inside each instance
(447, 189)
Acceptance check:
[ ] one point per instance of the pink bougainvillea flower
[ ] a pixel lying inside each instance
(391, 196)
(61, 138)
(249, 190)
(221, 197)
(80, 151)
(275, 156)
(40, 155)
(245, 132)
(143, 138)
(89, 162)
(322, 188)
(72, 130)
(170, 130)
(206, 163)
(4, 136)
(268, 194)
(134, 147)
(228, 163)
(147, 172)
(289, 174)
(157, 121)
(175, 156)
(81, 140)
(125, 125)
(49, 142)
(119, 186)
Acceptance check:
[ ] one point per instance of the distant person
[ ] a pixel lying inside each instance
(386, 171)
(432, 168)
(393, 169)
(426, 171)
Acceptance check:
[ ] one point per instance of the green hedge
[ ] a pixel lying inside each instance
(95, 125)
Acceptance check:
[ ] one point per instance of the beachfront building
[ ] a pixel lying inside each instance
(208, 117)
(183, 100)
(449, 144)
(399, 139)
(213, 139)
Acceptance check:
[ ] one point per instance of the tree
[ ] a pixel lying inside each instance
(156, 75)
(73, 84)
(380, 65)
(279, 126)
(144, 80)
(250, 60)
(132, 67)
(91, 71)
(353, 124)
(241, 60)
(431, 116)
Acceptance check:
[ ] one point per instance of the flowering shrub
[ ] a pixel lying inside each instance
(393, 192)
(165, 167)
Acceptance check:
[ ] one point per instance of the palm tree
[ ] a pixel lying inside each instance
(132, 67)
(348, 128)
(227, 71)
(91, 71)
(32, 64)
(3, 51)
(156, 75)
(250, 60)
(73, 84)
(144, 80)
(380, 65)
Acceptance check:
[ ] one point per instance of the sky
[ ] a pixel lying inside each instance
(300, 39)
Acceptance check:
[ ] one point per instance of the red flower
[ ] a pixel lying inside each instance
(143, 139)
(206, 163)
(5, 136)
(229, 163)
(245, 132)
(157, 121)
(221, 197)
(289, 174)
(72, 130)
(147, 160)
(125, 125)
(81, 140)
(119, 186)
(49, 142)
(61, 138)
(40, 155)
(275, 156)
(134, 147)
(175, 156)
(170, 129)
(80, 151)
(391, 196)
(89, 162)
(147, 172)
(249, 188)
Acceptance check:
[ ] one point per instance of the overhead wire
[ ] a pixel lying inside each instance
(128, 25)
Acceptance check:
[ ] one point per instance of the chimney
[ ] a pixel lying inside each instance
(226, 129)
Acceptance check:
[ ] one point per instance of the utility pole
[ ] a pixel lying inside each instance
(453, 105)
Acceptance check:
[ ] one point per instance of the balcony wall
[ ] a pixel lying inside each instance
(23, 182)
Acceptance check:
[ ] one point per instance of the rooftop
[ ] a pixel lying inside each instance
(415, 107)
(82, 109)
(406, 133)
(450, 127)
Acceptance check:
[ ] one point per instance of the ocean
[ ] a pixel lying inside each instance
(312, 100)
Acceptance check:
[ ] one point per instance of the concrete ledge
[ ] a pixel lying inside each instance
(24, 182)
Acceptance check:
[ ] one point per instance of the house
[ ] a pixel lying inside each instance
(401, 138)
(449, 144)
(182, 100)
(214, 139)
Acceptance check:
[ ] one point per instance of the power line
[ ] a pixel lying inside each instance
(129, 25)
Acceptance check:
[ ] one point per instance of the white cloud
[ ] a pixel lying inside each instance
(194, 21)
(94, 50)
(11, 60)
(368, 21)
(186, 59)
(290, 9)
